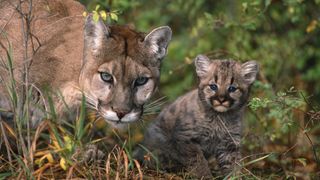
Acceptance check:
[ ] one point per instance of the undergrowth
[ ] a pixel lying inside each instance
(88, 148)
(280, 138)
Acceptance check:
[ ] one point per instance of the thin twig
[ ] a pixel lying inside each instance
(313, 148)
(248, 171)
(226, 129)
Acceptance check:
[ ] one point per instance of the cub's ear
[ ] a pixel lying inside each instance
(249, 71)
(157, 41)
(202, 64)
(95, 33)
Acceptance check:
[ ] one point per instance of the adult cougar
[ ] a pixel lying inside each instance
(115, 67)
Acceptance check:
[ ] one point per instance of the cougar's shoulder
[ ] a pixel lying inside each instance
(56, 31)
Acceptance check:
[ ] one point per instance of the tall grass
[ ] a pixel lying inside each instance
(53, 148)
(20, 131)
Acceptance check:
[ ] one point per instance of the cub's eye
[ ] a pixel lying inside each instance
(213, 87)
(106, 77)
(140, 81)
(232, 89)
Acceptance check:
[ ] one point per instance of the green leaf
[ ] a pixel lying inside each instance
(208, 16)
(69, 144)
(95, 16)
(114, 16)
(97, 7)
(103, 15)
(281, 94)
(256, 103)
(249, 25)
(267, 3)
(244, 7)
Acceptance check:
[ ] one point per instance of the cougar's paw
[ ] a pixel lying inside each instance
(91, 154)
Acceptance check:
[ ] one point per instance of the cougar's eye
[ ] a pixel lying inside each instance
(213, 87)
(141, 81)
(231, 89)
(106, 77)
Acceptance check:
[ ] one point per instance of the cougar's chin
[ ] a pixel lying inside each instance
(131, 117)
(111, 116)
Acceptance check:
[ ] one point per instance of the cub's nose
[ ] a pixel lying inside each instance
(221, 99)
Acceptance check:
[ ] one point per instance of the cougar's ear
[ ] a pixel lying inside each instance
(95, 33)
(202, 64)
(157, 41)
(249, 71)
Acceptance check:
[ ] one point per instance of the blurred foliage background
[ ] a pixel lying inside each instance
(282, 35)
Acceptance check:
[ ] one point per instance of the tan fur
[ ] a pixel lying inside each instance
(73, 53)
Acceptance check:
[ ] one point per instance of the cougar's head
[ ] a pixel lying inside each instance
(121, 69)
(224, 84)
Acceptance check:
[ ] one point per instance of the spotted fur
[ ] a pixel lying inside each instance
(204, 123)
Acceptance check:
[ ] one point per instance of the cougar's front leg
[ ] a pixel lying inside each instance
(69, 97)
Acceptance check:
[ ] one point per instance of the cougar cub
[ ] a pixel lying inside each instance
(204, 123)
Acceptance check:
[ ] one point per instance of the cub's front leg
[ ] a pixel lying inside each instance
(228, 154)
(191, 157)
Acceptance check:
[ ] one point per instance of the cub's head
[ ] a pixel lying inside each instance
(121, 69)
(224, 84)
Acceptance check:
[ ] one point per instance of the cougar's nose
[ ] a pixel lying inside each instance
(120, 114)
